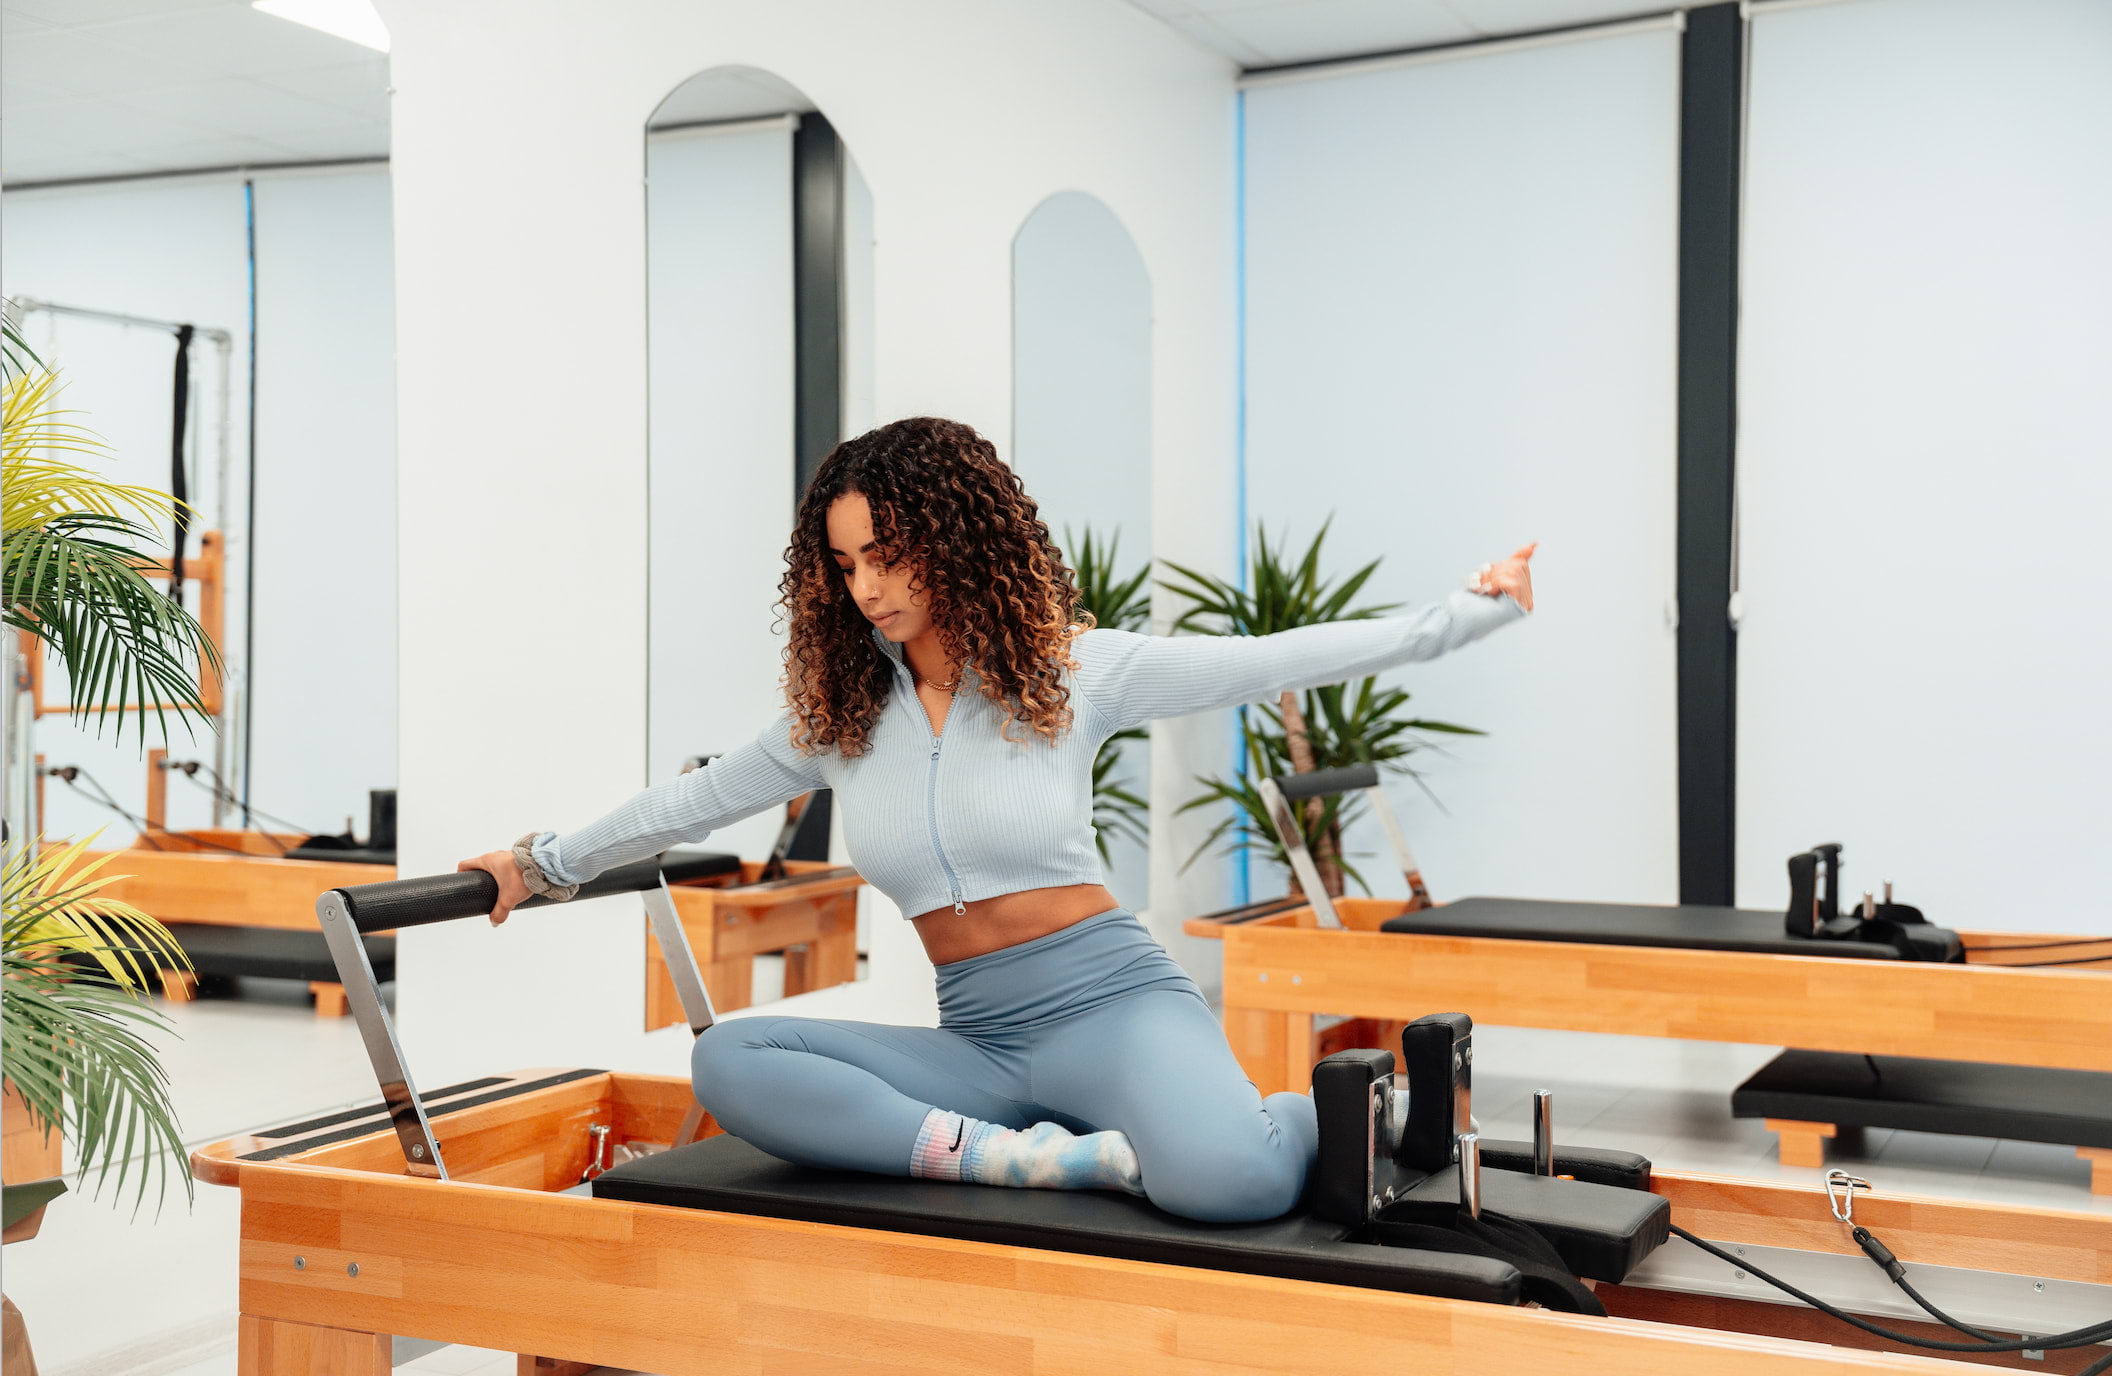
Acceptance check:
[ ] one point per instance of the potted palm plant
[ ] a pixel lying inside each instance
(1320, 728)
(1119, 601)
(76, 964)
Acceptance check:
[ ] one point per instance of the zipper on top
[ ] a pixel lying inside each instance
(931, 802)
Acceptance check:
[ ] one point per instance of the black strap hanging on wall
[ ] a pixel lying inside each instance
(179, 485)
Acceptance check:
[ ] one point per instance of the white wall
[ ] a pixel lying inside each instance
(1081, 416)
(1461, 338)
(323, 684)
(1927, 335)
(517, 166)
(719, 213)
(166, 250)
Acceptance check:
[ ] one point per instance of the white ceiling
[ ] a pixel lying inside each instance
(93, 88)
(1270, 33)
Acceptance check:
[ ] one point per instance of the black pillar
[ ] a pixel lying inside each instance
(817, 295)
(1712, 109)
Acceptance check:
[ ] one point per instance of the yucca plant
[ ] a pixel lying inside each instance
(72, 1040)
(1122, 602)
(1321, 728)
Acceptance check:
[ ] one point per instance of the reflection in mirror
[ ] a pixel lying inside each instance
(224, 337)
(759, 253)
(227, 340)
(1081, 442)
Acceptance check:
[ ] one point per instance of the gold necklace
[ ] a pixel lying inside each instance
(942, 687)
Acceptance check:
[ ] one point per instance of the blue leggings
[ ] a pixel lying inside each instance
(1092, 1027)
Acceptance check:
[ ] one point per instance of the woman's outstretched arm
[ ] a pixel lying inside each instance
(740, 783)
(1128, 679)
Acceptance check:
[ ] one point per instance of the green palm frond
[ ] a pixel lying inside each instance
(69, 565)
(16, 356)
(1346, 723)
(1120, 602)
(33, 426)
(1116, 810)
(123, 640)
(1113, 600)
(73, 1040)
(1284, 594)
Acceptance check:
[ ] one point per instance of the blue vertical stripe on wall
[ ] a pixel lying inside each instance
(1243, 878)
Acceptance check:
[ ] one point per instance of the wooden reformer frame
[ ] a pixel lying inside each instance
(351, 1237)
(1288, 962)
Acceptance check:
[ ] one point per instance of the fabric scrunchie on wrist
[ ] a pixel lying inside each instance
(532, 874)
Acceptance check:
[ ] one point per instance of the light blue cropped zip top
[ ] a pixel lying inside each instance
(937, 821)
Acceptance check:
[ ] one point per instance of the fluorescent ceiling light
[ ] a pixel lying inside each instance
(350, 19)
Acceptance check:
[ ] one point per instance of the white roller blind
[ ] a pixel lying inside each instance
(324, 710)
(1925, 355)
(720, 272)
(1461, 337)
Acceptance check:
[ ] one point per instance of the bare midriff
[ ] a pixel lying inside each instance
(992, 924)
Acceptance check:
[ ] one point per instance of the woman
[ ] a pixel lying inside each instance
(936, 682)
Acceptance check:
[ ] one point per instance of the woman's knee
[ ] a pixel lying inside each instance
(724, 1051)
(1227, 1182)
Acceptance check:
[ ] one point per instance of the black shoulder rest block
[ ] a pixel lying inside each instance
(1597, 1165)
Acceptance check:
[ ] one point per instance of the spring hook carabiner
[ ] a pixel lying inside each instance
(1840, 1194)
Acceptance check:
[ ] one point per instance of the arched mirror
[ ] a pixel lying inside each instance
(759, 253)
(1081, 442)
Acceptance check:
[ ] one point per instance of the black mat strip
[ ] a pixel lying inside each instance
(377, 1109)
(346, 1134)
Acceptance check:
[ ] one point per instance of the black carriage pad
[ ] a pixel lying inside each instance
(311, 849)
(269, 952)
(1691, 926)
(2028, 1103)
(729, 1176)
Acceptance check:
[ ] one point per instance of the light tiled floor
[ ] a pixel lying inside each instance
(237, 1062)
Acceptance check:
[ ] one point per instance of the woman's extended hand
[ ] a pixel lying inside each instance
(500, 865)
(1513, 575)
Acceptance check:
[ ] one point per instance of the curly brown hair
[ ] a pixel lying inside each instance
(1001, 598)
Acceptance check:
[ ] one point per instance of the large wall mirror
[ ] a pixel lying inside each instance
(759, 253)
(1081, 442)
(200, 291)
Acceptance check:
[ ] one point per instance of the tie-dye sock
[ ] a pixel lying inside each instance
(952, 1146)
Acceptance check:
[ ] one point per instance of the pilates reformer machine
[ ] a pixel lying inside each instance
(1892, 1022)
(240, 902)
(591, 1217)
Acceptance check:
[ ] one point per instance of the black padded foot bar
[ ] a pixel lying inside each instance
(1621, 924)
(2070, 1107)
(728, 1175)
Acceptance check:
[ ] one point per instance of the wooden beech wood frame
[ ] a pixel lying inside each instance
(1282, 970)
(811, 915)
(194, 876)
(341, 1251)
